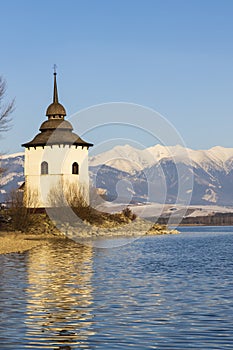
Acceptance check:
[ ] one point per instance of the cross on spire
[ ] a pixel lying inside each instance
(54, 68)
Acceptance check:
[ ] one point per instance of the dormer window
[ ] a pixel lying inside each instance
(44, 168)
(75, 168)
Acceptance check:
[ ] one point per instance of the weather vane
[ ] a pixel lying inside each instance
(55, 68)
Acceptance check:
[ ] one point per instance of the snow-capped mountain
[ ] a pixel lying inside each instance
(130, 159)
(11, 177)
(166, 173)
(155, 174)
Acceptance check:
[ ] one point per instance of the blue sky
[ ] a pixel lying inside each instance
(175, 56)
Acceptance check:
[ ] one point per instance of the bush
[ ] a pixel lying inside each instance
(127, 212)
(22, 218)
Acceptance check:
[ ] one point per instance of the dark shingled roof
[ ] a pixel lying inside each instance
(57, 137)
(56, 130)
(52, 124)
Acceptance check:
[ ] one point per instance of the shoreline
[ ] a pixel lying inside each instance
(18, 242)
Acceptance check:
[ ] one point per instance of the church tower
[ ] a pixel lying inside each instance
(55, 158)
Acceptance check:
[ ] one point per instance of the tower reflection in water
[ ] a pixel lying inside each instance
(59, 311)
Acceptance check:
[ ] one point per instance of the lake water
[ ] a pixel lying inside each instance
(160, 292)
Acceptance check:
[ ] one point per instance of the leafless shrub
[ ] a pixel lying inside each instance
(67, 202)
(68, 196)
(22, 217)
(76, 195)
(127, 212)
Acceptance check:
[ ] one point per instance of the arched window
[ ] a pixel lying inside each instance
(75, 168)
(44, 168)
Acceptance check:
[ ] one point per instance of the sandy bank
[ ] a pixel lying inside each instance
(17, 242)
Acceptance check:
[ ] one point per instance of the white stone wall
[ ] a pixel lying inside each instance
(60, 160)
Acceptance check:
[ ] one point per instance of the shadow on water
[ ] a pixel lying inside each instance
(50, 307)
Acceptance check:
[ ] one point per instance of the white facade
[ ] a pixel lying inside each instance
(60, 160)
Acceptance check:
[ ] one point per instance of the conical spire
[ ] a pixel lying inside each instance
(55, 93)
(56, 130)
(55, 109)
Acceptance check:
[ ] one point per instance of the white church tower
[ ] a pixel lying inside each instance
(55, 158)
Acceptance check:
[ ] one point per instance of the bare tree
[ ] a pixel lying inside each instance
(5, 109)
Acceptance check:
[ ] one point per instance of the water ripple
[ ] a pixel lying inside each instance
(166, 292)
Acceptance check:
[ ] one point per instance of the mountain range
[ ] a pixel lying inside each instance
(162, 174)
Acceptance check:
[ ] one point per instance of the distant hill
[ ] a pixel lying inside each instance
(156, 174)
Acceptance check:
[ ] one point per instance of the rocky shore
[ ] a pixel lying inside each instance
(135, 228)
(18, 242)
